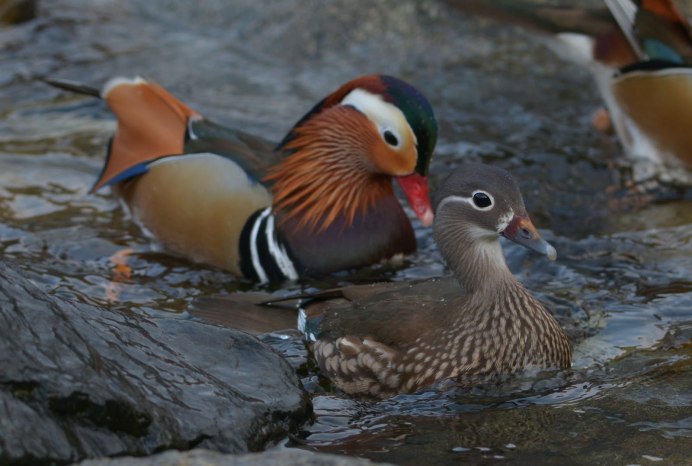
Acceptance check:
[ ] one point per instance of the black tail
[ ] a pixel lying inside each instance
(72, 86)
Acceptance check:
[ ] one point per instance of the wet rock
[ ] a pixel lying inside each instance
(201, 457)
(80, 381)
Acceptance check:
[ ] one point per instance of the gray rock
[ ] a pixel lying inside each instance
(80, 381)
(200, 457)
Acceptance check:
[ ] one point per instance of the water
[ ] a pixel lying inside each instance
(622, 285)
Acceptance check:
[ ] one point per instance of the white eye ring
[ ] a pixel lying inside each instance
(483, 197)
(468, 200)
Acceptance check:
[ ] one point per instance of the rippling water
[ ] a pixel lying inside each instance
(622, 285)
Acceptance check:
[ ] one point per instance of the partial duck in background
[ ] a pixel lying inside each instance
(639, 53)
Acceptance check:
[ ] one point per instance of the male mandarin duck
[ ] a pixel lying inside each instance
(321, 201)
(640, 54)
(384, 339)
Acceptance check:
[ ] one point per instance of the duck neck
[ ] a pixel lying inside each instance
(474, 256)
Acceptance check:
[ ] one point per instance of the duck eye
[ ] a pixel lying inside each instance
(390, 138)
(482, 200)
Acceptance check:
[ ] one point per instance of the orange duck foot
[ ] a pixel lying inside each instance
(122, 272)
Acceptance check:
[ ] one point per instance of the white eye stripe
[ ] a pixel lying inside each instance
(469, 200)
(450, 199)
(502, 222)
(386, 116)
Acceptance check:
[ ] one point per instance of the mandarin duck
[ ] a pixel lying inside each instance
(320, 201)
(640, 55)
(384, 339)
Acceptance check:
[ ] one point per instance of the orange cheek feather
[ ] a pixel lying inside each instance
(390, 161)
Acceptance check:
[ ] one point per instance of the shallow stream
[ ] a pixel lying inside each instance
(622, 284)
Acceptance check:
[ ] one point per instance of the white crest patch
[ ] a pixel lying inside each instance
(386, 116)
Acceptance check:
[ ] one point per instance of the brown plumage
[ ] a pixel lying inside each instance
(403, 337)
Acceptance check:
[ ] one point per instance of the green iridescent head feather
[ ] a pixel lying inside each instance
(415, 107)
(419, 114)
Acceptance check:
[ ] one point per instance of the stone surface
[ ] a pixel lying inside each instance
(200, 457)
(80, 381)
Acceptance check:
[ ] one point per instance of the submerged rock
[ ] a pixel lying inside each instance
(201, 457)
(80, 381)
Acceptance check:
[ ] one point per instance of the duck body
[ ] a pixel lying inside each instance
(381, 340)
(655, 111)
(320, 201)
(640, 55)
(473, 339)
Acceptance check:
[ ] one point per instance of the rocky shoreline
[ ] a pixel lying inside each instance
(81, 381)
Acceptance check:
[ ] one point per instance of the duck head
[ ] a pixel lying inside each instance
(370, 129)
(474, 207)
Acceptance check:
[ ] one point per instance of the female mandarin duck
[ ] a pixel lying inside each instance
(321, 201)
(404, 338)
(384, 339)
(640, 54)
